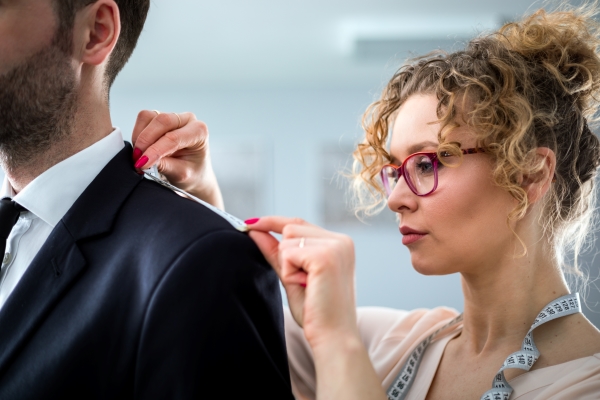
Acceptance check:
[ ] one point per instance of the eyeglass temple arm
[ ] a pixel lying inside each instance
(473, 150)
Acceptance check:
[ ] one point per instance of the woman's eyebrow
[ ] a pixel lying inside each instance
(415, 148)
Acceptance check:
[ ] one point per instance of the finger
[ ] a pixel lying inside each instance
(269, 247)
(295, 265)
(307, 231)
(193, 136)
(143, 120)
(275, 224)
(159, 126)
(290, 228)
(175, 170)
(312, 238)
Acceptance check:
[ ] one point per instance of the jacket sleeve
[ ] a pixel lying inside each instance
(214, 326)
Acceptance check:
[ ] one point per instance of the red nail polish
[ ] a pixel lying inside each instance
(251, 221)
(141, 162)
(137, 153)
(303, 285)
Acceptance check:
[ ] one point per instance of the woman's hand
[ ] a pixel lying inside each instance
(316, 268)
(178, 145)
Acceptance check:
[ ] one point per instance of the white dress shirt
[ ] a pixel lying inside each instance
(47, 199)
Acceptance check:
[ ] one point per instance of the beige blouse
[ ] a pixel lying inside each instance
(389, 336)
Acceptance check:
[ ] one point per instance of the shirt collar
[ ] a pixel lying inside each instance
(7, 190)
(51, 195)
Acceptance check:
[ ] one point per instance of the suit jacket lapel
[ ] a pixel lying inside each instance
(53, 269)
(60, 261)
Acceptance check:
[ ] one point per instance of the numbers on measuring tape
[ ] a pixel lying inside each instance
(399, 388)
(522, 359)
(529, 353)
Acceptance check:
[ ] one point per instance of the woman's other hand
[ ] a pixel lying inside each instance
(178, 145)
(316, 268)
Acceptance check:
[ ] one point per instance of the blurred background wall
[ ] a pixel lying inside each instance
(282, 86)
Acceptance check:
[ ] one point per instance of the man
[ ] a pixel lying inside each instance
(113, 287)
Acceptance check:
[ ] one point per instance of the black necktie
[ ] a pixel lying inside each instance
(9, 215)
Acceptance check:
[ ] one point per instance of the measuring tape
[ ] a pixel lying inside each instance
(153, 174)
(522, 359)
(399, 388)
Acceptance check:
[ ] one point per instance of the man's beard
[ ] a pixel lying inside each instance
(37, 107)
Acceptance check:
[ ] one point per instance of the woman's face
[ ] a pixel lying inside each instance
(461, 226)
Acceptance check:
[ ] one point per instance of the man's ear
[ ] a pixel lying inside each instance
(538, 184)
(97, 29)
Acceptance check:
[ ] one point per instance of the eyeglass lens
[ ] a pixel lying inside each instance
(419, 173)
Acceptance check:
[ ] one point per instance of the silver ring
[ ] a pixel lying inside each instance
(179, 119)
(302, 240)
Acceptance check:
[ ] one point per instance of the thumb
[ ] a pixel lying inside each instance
(269, 247)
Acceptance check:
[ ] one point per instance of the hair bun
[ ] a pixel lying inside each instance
(566, 43)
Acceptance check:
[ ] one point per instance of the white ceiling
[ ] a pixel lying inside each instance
(278, 43)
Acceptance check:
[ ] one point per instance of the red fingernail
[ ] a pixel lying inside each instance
(141, 162)
(137, 153)
(303, 285)
(251, 221)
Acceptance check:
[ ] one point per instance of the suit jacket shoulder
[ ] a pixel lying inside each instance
(140, 293)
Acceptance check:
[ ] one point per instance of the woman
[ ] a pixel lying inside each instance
(490, 170)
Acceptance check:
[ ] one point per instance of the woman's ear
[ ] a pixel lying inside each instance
(97, 28)
(538, 183)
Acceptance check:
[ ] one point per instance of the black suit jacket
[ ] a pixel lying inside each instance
(139, 293)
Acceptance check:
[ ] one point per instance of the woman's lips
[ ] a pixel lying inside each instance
(410, 235)
(411, 238)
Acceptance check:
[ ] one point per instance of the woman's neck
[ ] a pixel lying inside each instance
(503, 300)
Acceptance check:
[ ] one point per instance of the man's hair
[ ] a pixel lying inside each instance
(133, 16)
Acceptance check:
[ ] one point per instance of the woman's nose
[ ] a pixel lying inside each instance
(402, 198)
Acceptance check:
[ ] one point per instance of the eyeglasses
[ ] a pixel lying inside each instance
(420, 171)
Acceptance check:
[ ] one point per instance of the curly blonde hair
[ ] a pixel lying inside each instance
(533, 83)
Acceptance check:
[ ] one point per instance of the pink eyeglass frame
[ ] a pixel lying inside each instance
(434, 159)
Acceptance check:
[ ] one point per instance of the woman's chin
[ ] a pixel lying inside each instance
(430, 266)
(427, 271)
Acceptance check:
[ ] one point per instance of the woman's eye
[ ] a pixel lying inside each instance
(392, 174)
(424, 166)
